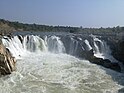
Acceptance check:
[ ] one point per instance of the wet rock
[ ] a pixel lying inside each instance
(106, 63)
(7, 62)
(119, 53)
(89, 55)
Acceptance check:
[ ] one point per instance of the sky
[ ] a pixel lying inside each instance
(85, 13)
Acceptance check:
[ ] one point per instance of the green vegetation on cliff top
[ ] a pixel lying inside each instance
(8, 27)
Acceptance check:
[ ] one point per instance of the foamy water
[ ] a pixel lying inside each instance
(58, 73)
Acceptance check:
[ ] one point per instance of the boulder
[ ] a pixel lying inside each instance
(105, 63)
(7, 62)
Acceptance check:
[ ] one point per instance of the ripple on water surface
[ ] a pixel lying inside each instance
(58, 73)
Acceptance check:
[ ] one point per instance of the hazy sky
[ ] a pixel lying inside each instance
(86, 13)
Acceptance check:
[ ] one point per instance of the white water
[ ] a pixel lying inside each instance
(40, 71)
(88, 45)
(55, 45)
(73, 46)
(32, 43)
(100, 47)
(102, 51)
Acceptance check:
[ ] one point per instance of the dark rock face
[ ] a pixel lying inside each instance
(121, 90)
(89, 55)
(106, 63)
(119, 52)
(7, 62)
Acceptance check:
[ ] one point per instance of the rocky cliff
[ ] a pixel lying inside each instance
(7, 62)
(118, 53)
(118, 47)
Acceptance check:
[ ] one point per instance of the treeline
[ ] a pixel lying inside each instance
(36, 27)
(9, 26)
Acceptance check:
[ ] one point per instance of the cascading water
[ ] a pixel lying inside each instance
(55, 45)
(32, 43)
(45, 67)
(88, 45)
(99, 47)
(73, 46)
(102, 50)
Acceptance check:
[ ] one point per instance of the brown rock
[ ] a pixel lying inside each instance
(7, 62)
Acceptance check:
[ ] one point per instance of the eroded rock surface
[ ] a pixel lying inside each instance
(7, 62)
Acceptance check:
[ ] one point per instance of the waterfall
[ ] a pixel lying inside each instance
(102, 50)
(34, 44)
(55, 45)
(20, 46)
(14, 45)
(88, 45)
(73, 46)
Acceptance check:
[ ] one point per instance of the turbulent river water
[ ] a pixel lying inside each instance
(43, 66)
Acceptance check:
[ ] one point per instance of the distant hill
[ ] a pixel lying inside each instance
(5, 28)
(8, 27)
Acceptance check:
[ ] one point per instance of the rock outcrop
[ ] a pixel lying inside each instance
(89, 55)
(118, 53)
(7, 62)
